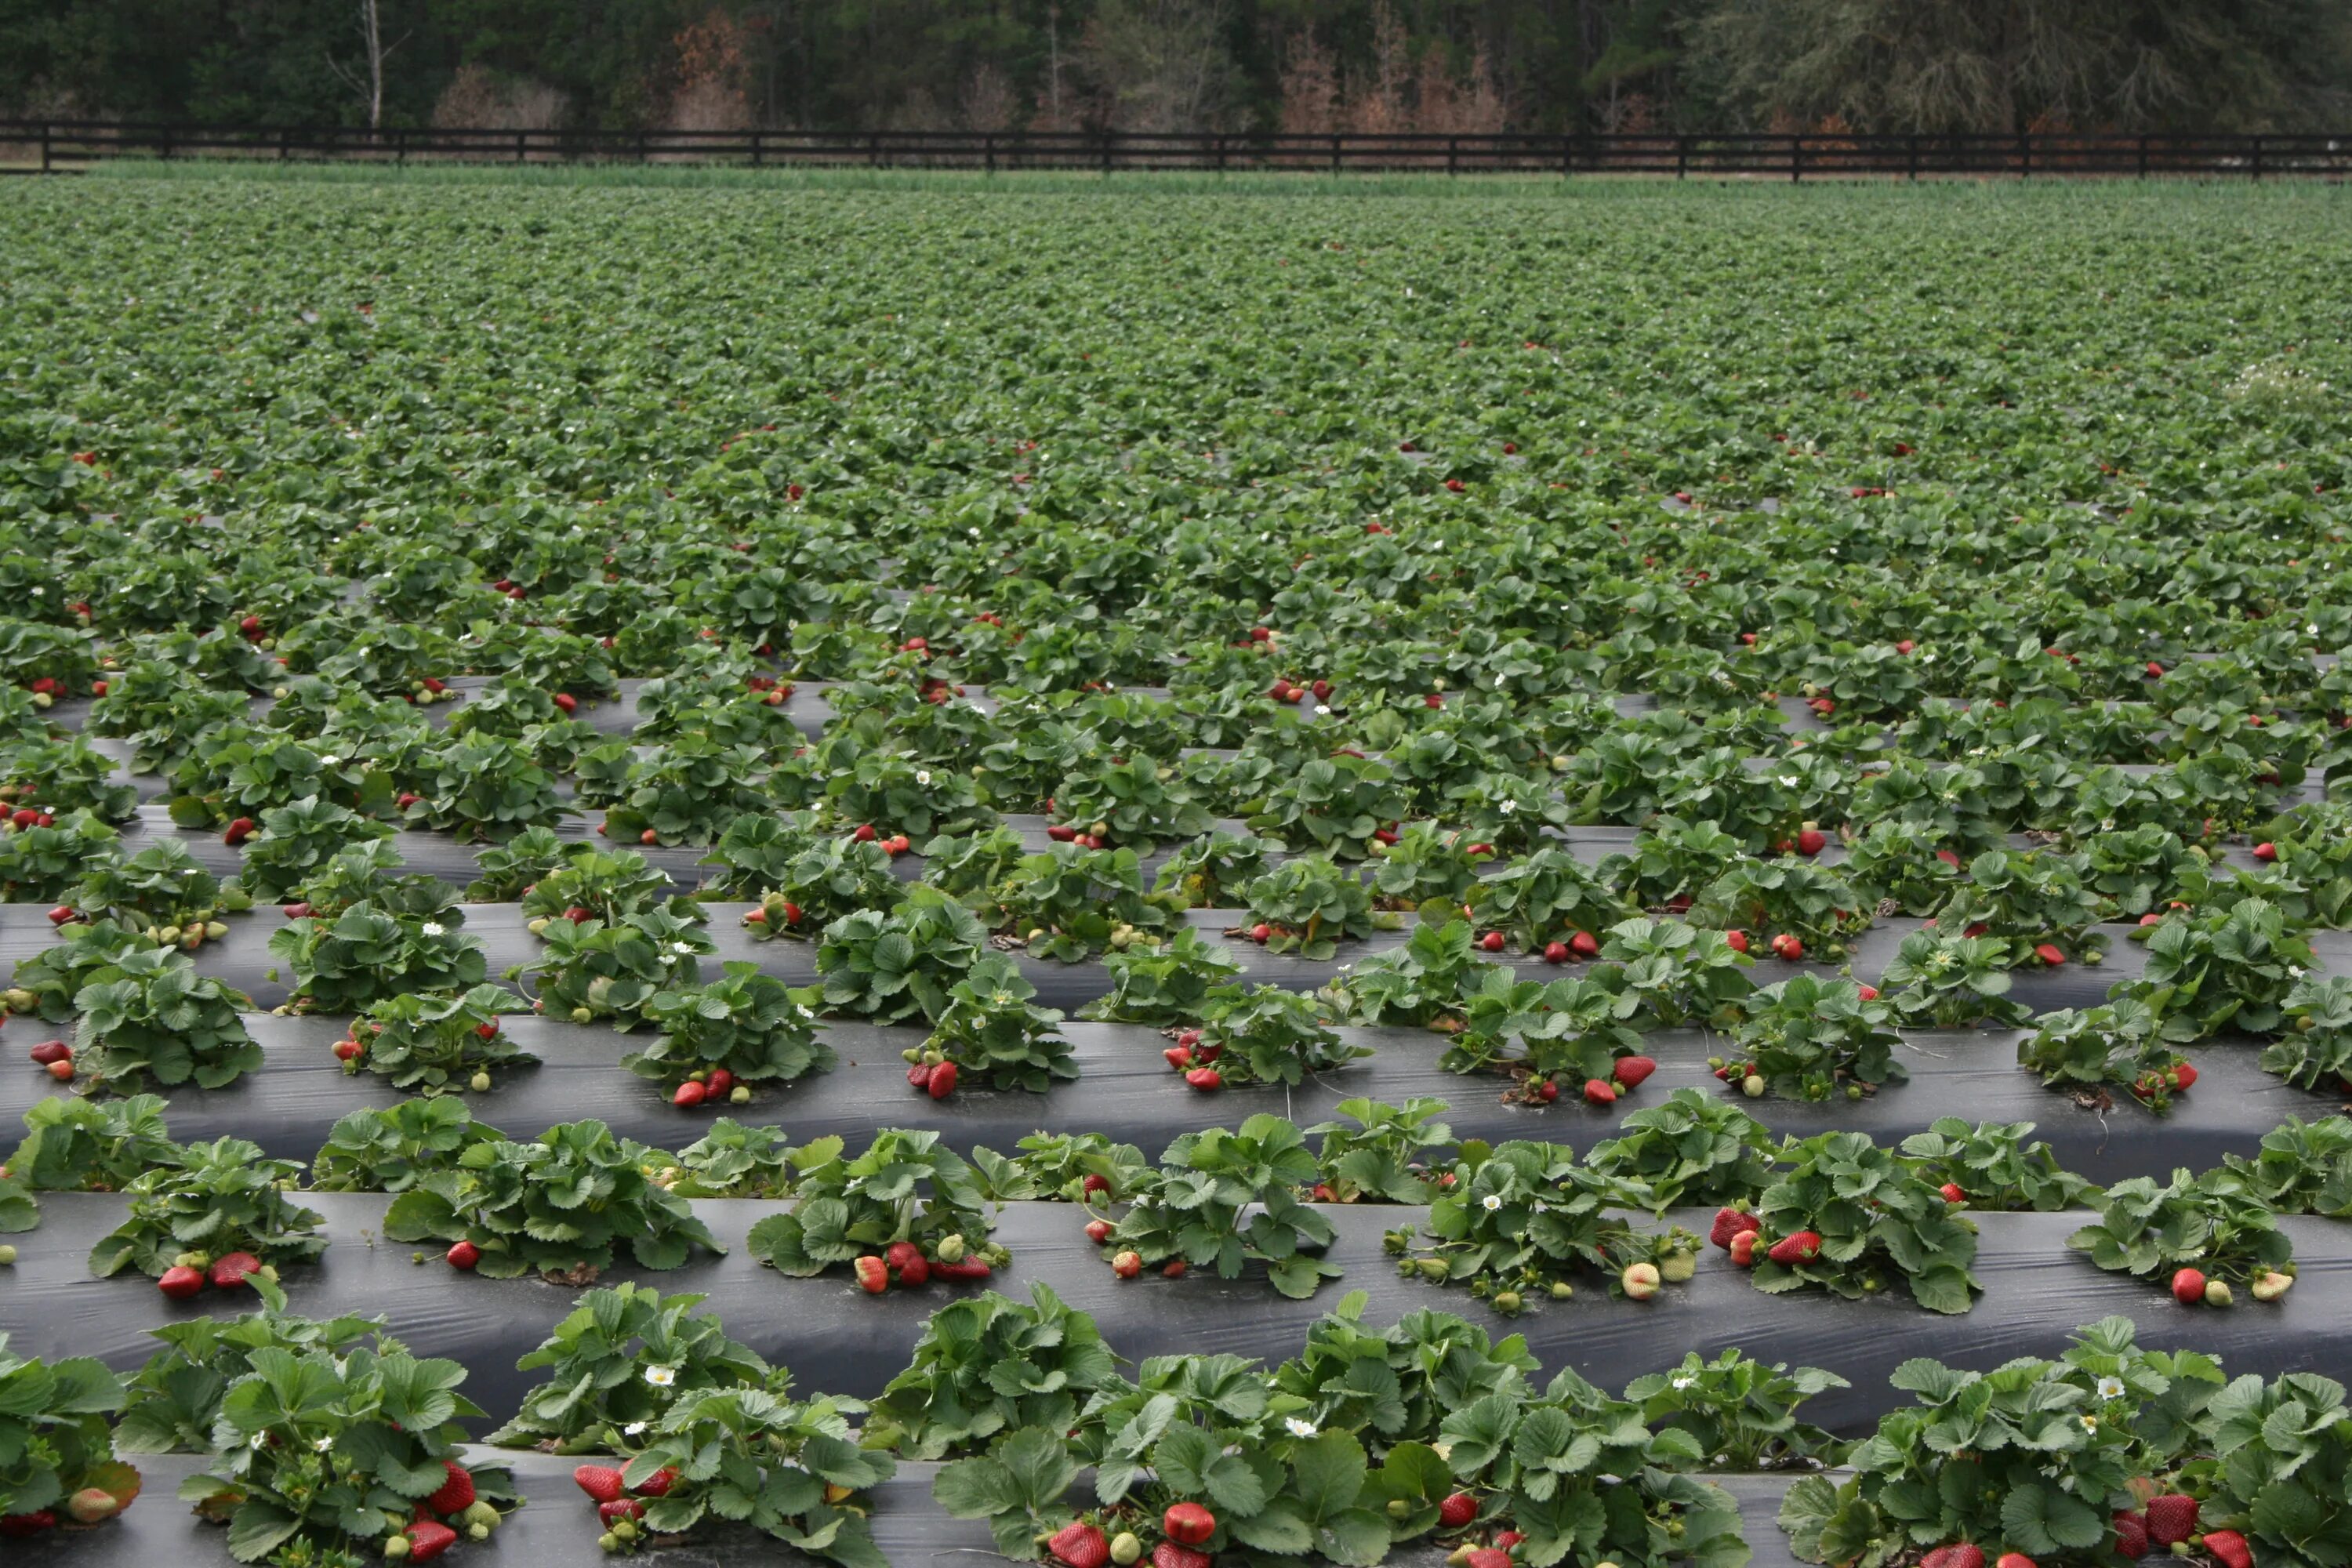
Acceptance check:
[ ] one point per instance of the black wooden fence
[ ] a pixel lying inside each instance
(58, 146)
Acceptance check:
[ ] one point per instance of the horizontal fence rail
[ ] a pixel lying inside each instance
(59, 146)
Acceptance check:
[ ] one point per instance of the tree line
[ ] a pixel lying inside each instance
(1463, 66)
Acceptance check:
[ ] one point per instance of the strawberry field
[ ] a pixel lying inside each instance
(1632, 878)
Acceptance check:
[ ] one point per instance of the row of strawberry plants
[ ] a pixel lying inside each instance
(1365, 1440)
(1510, 1222)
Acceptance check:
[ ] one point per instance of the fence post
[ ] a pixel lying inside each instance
(1335, 157)
(874, 149)
(2258, 155)
(2143, 157)
(758, 148)
(1681, 155)
(1221, 152)
(1911, 157)
(1105, 152)
(1452, 155)
(2024, 155)
(1567, 153)
(1796, 159)
(45, 146)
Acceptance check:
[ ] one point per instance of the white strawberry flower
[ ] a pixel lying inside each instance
(323, 1444)
(1492, 1202)
(2111, 1387)
(431, 928)
(1686, 1381)
(661, 1376)
(923, 777)
(1507, 807)
(1299, 1429)
(683, 949)
(633, 1429)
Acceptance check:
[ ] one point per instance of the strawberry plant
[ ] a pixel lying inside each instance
(2142, 869)
(1379, 1152)
(486, 788)
(1420, 983)
(2280, 1470)
(1678, 974)
(1132, 800)
(146, 1016)
(1163, 987)
(238, 773)
(733, 1160)
(390, 1150)
(823, 880)
(591, 970)
(1770, 899)
(2202, 1227)
(88, 1146)
(1209, 871)
(618, 1363)
(1225, 1199)
(1807, 1038)
(1524, 1217)
(371, 951)
(988, 1364)
(174, 1398)
(1070, 902)
(1568, 1032)
(1852, 1217)
(435, 1044)
(2035, 904)
(2127, 1042)
(2314, 1047)
(908, 1191)
(897, 795)
(316, 1457)
(2303, 1167)
(1742, 1412)
(57, 778)
(60, 1464)
(993, 1033)
(608, 885)
(2037, 1455)
(739, 1030)
(1904, 864)
(1427, 864)
(889, 966)
(1334, 805)
(1939, 981)
(2226, 969)
(1546, 897)
(1990, 1166)
(1062, 1167)
(220, 1202)
(1669, 862)
(1263, 1035)
(296, 840)
(1309, 906)
(560, 1205)
(507, 868)
(1435, 1362)
(42, 864)
(1690, 1152)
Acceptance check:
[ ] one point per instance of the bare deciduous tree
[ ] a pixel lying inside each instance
(1158, 65)
(367, 77)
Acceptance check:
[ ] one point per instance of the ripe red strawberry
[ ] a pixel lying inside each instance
(1787, 948)
(658, 1483)
(61, 914)
(2155, 670)
(1126, 1265)
(239, 831)
(1485, 1557)
(1598, 1091)
(2050, 954)
(873, 1275)
(1743, 1247)
(1555, 953)
(688, 1095)
(19, 1526)
(2014, 1559)
(2171, 1518)
(49, 1051)
(1188, 1523)
(1966, 1554)
(456, 1493)
(2131, 1534)
(1178, 1057)
(1079, 1545)
(1208, 1080)
(964, 1269)
(900, 1254)
(464, 1254)
(2189, 1290)
(566, 701)
(1172, 1269)
(1168, 1554)
(1729, 1222)
(181, 1283)
(919, 1075)
(2265, 851)
(1261, 932)
(1736, 940)
(1492, 941)
(1802, 1248)
(2230, 1547)
(228, 1271)
(1090, 1184)
(1098, 1231)
(864, 833)
(1583, 944)
(943, 1082)
(1458, 1510)
(626, 1507)
(1548, 1091)
(1953, 1195)
(2181, 1077)
(1868, 992)
(428, 1539)
(1631, 1071)
(1812, 841)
